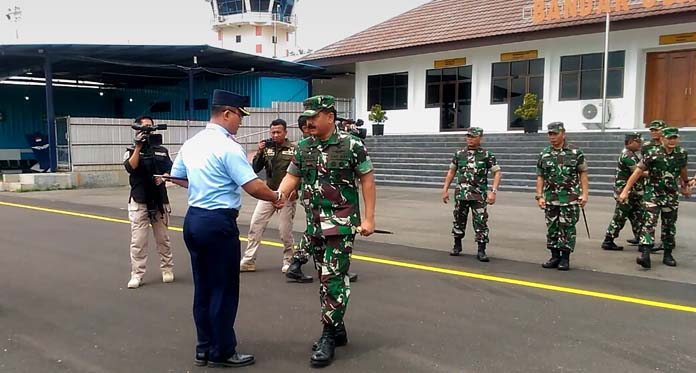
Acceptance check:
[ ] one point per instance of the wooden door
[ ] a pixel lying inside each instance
(677, 92)
(669, 88)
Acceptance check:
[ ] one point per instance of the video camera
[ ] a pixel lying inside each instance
(352, 126)
(269, 143)
(148, 138)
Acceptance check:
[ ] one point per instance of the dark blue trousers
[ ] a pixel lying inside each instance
(212, 239)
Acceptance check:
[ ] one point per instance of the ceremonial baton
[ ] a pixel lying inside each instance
(171, 177)
(376, 231)
(584, 217)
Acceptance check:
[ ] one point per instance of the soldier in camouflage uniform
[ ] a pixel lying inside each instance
(561, 191)
(632, 209)
(301, 254)
(667, 172)
(328, 165)
(471, 166)
(656, 140)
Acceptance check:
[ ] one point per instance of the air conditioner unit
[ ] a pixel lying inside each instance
(592, 113)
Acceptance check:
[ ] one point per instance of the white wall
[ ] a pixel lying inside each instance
(627, 112)
(250, 39)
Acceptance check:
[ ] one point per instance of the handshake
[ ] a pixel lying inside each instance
(282, 199)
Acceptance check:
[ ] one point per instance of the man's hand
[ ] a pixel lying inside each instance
(139, 140)
(623, 196)
(281, 202)
(541, 202)
(366, 228)
(293, 196)
(491, 198)
(445, 196)
(686, 191)
(583, 200)
(262, 145)
(692, 183)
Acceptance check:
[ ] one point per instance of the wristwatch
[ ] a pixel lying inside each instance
(494, 191)
(280, 195)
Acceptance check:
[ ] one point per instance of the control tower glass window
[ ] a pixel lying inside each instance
(260, 5)
(283, 7)
(227, 7)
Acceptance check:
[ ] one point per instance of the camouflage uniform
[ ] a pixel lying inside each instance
(329, 171)
(560, 169)
(472, 167)
(632, 209)
(661, 196)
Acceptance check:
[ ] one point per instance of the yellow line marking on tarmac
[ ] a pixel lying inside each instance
(421, 267)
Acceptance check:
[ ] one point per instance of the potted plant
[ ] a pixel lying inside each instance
(378, 117)
(529, 113)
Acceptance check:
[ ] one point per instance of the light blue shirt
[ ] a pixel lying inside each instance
(216, 167)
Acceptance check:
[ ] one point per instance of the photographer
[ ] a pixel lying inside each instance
(275, 155)
(148, 203)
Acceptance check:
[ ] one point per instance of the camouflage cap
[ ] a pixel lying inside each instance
(633, 136)
(315, 104)
(474, 132)
(556, 127)
(658, 124)
(670, 132)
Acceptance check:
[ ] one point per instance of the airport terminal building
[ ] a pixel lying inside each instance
(451, 64)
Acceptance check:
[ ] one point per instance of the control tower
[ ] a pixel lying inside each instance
(260, 27)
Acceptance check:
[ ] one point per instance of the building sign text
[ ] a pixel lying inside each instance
(556, 10)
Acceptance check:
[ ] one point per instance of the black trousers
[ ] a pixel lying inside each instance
(212, 239)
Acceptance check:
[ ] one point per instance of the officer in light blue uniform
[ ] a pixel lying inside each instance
(216, 169)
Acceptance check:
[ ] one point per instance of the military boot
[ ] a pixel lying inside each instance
(668, 259)
(564, 263)
(555, 259)
(295, 272)
(644, 258)
(633, 241)
(341, 337)
(457, 248)
(352, 277)
(324, 353)
(481, 255)
(609, 244)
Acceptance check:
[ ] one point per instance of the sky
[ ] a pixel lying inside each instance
(321, 22)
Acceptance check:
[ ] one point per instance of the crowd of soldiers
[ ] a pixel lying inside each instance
(649, 178)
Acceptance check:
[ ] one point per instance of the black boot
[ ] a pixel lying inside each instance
(609, 244)
(555, 259)
(668, 259)
(352, 277)
(295, 272)
(341, 337)
(481, 255)
(633, 241)
(564, 263)
(457, 248)
(644, 258)
(324, 353)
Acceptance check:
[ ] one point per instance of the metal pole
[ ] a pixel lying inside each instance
(50, 114)
(190, 112)
(606, 74)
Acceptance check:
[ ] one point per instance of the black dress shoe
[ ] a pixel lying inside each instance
(235, 361)
(201, 359)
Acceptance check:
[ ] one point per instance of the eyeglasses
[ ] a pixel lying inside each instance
(235, 112)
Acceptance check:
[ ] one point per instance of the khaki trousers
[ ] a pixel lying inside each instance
(259, 221)
(140, 222)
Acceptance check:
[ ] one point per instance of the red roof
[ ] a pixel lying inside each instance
(446, 21)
